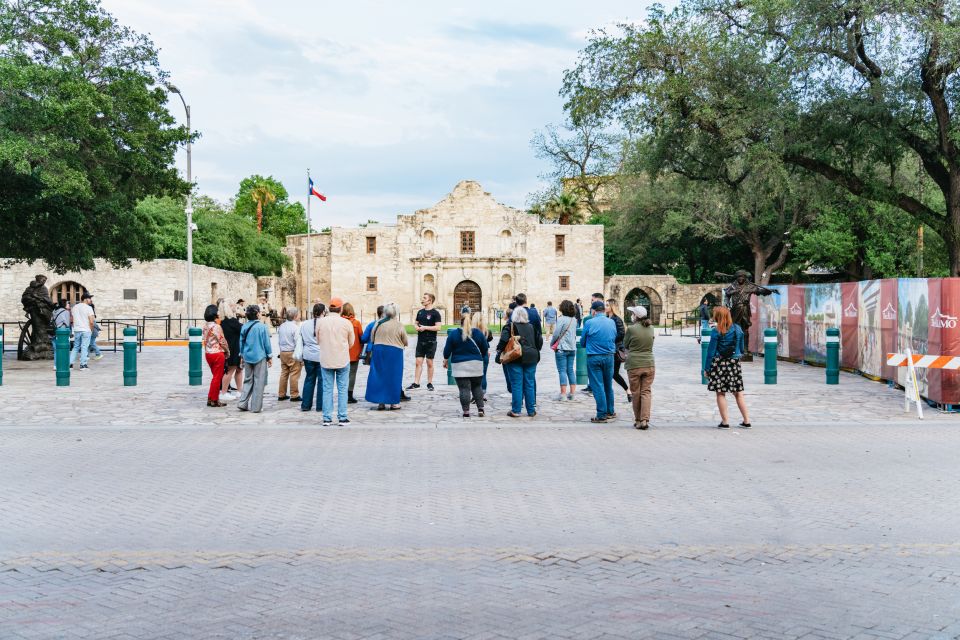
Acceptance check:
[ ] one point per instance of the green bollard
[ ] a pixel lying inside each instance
(61, 356)
(770, 356)
(582, 379)
(450, 378)
(129, 357)
(833, 355)
(196, 351)
(705, 338)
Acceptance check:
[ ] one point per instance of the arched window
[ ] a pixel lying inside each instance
(69, 291)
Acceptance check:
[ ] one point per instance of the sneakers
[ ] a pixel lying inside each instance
(352, 400)
(99, 356)
(429, 386)
(744, 425)
(327, 423)
(569, 396)
(560, 396)
(345, 421)
(83, 366)
(413, 385)
(723, 425)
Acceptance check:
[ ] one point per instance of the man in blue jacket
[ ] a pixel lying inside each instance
(599, 340)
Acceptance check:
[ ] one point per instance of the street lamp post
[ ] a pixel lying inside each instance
(189, 209)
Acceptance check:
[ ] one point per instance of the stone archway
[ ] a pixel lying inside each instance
(67, 290)
(467, 292)
(647, 298)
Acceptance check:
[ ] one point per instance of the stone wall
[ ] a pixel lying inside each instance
(154, 288)
(665, 291)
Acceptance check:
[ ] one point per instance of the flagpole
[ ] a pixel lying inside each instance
(309, 307)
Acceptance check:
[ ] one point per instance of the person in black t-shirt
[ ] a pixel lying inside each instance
(427, 323)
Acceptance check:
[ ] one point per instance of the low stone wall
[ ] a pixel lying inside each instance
(662, 290)
(155, 288)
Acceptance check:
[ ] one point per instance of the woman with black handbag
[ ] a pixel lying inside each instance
(620, 355)
(519, 351)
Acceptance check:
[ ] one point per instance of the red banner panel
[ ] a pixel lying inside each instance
(795, 321)
(849, 325)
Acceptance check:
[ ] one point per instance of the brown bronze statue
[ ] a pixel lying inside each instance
(738, 301)
(35, 336)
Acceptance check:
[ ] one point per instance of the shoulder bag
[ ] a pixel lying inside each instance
(368, 348)
(555, 345)
(514, 350)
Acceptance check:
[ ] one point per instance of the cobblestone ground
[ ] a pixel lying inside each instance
(139, 513)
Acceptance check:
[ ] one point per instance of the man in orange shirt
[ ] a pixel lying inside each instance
(355, 348)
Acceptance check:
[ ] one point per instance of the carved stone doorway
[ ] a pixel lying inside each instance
(466, 293)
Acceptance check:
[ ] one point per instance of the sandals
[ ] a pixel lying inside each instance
(211, 403)
(597, 420)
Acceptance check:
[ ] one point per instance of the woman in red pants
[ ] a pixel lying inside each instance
(216, 349)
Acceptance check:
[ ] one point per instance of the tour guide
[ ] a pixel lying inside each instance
(599, 339)
(427, 323)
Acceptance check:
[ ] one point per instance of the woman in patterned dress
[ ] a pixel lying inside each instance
(723, 366)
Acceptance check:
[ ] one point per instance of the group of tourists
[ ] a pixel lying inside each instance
(81, 319)
(330, 346)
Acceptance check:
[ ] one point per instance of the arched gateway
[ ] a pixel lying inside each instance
(466, 293)
(647, 298)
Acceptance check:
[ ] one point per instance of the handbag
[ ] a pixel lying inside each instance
(368, 348)
(555, 345)
(513, 350)
(298, 349)
(622, 353)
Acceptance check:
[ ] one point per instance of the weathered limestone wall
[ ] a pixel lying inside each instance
(155, 284)
(662, 290)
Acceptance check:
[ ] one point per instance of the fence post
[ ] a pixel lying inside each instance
(833, 355)
(61, 357)
(705, 338)
(769, 356)
(129, 357)
(450, 378)
(582, 378)
(1, 356)
(196, 348)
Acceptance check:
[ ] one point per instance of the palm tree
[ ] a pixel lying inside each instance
(565, 208)
(262, 195)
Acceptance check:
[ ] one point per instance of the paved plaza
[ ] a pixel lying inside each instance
(141, 513)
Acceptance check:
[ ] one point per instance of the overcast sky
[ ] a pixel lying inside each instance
(389, 104)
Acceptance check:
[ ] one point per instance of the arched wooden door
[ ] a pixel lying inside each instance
(466, 293)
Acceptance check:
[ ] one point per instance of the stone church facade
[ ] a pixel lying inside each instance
(466, 249)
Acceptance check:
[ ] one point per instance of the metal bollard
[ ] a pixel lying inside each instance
(833, 355)
(770, 356)
(129, 357)
(450, 378)
(705, 338)
(582, 378)
(61, 356)
(196, 350)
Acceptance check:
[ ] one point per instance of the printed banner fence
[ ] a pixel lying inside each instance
(875, 317)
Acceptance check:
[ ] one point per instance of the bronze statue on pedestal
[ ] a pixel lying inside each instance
(35, 341)
(738, 301)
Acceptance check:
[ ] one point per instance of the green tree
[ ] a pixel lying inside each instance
(843, 90)
(84, 135)
(264, 200)
(223, 239)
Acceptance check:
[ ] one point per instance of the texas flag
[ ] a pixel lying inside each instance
(314, 192)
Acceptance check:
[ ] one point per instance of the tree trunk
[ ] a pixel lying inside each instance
(951, 235)
(259, 217)
(760, 274)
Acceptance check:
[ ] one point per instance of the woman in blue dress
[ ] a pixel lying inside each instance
(388, 338)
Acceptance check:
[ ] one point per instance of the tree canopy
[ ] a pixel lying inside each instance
(265, 198)
(223, 239)
(84, 135)
(782, 105)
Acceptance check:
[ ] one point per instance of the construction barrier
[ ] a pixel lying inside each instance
(875, 317)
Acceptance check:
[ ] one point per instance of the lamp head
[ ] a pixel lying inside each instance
(172, 88)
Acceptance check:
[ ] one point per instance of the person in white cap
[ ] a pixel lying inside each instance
(638, 341)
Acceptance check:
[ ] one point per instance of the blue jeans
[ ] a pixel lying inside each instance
(81, 345)
(311, 382)
(600, 373)
(566, 366)
(523, 389)
(342, 378)
(93, 341)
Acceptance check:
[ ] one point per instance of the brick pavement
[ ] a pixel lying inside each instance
(125, 515)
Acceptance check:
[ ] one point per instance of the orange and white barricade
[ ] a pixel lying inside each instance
(913, 361)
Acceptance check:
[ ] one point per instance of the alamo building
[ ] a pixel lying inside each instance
(466, 249)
